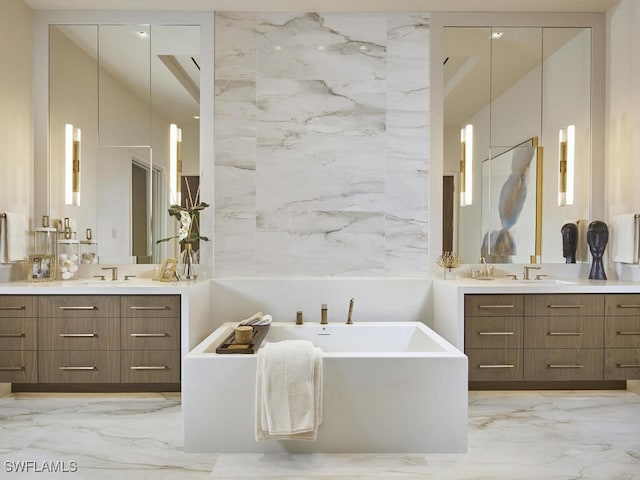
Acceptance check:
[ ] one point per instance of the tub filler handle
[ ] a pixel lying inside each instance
(323, 314)
(349, 319)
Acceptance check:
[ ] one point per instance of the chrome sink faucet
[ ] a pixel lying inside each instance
(114, 272)
(525, 275)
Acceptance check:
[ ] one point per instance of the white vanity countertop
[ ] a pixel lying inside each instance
(568, 285)
(96, 287)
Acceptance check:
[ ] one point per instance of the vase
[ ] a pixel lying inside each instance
(187, 269)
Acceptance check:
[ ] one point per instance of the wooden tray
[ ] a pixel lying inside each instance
(229, 345)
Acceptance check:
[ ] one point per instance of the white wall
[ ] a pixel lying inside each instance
(623, 115)
(16, 117)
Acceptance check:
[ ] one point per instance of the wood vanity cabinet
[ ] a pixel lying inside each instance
(622, 337)
(18, 339)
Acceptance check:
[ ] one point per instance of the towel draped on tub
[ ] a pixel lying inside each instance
(288, 391)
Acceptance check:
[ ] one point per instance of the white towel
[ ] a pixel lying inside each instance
(289, 391)
(13, 243)
(582, 249)
(624, 238)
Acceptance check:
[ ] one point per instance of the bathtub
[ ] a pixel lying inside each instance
(389, 387)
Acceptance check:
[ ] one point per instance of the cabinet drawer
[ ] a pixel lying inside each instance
(623, 304)
(70, 366)
(495, 364)
(17, 333)
(563, 364)
(150, 333)
(73, 306)
(563, 332)
(18, 367)
(151, 366)
(493, 332)
(17, 306)
(493, 305)
(563, 305)
(622, 332)
(622, 364)
(79, 334)
(150, 306)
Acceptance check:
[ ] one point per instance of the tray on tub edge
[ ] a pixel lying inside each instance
(229, 345)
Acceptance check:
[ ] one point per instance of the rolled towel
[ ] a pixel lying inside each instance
(252, 319)
(264, 320)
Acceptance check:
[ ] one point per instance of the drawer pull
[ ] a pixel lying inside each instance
(496, 333)
(149, 308)
(163, 367)
(496, 306)
(12, 369)
(550, 365)
(628, 306)
(627, 365)
(496, 366)
(79, 308)
(564, 306)
(148, 334)
(22, 307)
(565, 334)
(627, 333)
(78, 368)
(77, 335)
(12, 335)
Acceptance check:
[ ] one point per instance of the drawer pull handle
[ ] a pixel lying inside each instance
(496, 366)
(627, 333)
(564, 306)
(12, 335)
(496, 333)
(496, 306)
(78, 368)
(550, 365)
(79, 308)
(163, 367)
(148, 334)
(22, 307)
(77, 335)
(149, 308)
(628, 306)
(12, 369)
(565, 334)
(627, 365)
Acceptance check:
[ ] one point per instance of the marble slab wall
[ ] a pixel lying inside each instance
(321, 144)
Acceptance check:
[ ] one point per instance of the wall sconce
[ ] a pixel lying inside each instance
(466, 165)
(175, 163)
(566, 162)
(71, 165)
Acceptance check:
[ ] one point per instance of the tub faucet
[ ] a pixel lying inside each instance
(349, 320)
(323, 314)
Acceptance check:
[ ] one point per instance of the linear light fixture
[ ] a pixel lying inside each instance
(566, 165)
(175, 163)
(466, 165)
(72, 140)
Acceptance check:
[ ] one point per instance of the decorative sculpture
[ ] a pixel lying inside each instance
(597, 238)
(569, 233)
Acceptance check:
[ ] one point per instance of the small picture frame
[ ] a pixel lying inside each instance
(42, 268)
(167, 270)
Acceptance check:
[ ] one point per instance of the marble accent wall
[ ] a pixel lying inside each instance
(321, 144)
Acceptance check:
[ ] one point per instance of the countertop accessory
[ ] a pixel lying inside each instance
(448, 261)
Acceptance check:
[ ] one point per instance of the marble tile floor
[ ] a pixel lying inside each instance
(512, 435)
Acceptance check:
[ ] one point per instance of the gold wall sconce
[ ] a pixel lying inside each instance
(466, 165)
(566, 165)
(72, 141)
(175, 163)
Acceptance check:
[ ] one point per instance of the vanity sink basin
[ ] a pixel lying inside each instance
(545, 282)
(114, 283)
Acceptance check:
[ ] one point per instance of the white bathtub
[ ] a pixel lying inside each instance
(389, 387)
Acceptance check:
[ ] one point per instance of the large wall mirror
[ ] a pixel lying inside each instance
(118, 93)
(517, 140)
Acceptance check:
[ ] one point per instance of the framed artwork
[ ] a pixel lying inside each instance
(42, 268)
(167, 270)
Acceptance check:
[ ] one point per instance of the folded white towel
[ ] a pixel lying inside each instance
(624, 238)
(252, 319)
(13, 246)
(289, 391)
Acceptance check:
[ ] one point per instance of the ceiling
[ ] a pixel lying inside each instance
(332, 5)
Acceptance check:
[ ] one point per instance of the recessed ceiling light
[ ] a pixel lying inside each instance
(277, 47)
(496, 35)
(142, 34)
(363, 47)
(320, 47)
(197, 117)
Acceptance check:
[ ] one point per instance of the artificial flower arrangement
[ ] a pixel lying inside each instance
(189, 218)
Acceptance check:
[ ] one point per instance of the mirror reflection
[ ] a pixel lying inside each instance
(510, 85)
(122, 170)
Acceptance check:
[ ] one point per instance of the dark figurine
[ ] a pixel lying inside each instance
(569, 233)
(597, 238)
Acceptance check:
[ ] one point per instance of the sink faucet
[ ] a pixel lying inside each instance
(114, 272)
(526, 271)
(323, 314)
